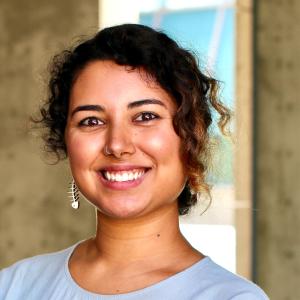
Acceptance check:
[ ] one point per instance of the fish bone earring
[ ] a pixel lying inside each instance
(74, 194)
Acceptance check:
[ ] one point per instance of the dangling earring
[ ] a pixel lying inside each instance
(74, 194)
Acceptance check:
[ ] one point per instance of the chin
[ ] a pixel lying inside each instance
(125, 210)
(122, 214)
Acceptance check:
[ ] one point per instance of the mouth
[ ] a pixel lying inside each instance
(123, 175)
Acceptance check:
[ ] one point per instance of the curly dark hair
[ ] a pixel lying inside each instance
(175, 69)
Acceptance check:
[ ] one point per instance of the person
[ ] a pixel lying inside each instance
(131, 111)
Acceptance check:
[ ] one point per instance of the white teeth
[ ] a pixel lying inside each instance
(123, 175)
(108, 176)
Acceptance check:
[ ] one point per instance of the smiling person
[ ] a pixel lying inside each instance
(131, 111)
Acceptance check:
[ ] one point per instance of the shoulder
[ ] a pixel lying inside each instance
(37, 263)
(25, 273)
(227, 285)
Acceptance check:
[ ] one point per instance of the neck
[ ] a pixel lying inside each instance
(149, 238)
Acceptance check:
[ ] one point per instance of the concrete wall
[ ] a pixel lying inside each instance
(277, 137)
(35, 214)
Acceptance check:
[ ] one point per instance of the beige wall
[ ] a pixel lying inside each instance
(243, 145)
(277, 137)
(35, 215)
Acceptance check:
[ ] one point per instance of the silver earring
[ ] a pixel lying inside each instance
(74, 194)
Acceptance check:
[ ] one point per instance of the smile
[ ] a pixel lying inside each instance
(121, 176)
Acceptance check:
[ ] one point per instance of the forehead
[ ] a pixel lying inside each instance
(107, 80)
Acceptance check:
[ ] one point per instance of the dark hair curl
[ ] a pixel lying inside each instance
(172, 67)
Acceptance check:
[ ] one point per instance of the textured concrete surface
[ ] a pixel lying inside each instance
(277, 157)
(35, 215)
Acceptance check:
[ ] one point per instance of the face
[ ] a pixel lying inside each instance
(123, 151)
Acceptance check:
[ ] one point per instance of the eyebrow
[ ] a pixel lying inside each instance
(87, 108)
(131, 105)
(145, 102)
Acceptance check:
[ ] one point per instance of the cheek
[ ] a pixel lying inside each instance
(82, 150)
(163, 144)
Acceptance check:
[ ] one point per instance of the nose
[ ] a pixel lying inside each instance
(119, 141)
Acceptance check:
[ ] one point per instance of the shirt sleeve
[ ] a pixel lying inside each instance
(250, 296)
(9, 283)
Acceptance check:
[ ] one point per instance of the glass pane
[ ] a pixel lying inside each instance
(208, 32)
(207, 28)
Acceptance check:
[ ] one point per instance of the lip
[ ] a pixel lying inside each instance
(122, 185)
(119, 168)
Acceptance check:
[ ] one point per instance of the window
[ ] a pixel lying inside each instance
(207, 28)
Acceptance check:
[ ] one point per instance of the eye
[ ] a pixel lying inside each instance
(91, 122)
(146, 116)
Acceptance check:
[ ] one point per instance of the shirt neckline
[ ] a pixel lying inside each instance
(186, 272)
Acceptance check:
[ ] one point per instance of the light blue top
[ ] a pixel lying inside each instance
(48, 277)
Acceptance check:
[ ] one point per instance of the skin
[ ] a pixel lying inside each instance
(121, 118)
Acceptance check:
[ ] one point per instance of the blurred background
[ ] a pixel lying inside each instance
(252, 47)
